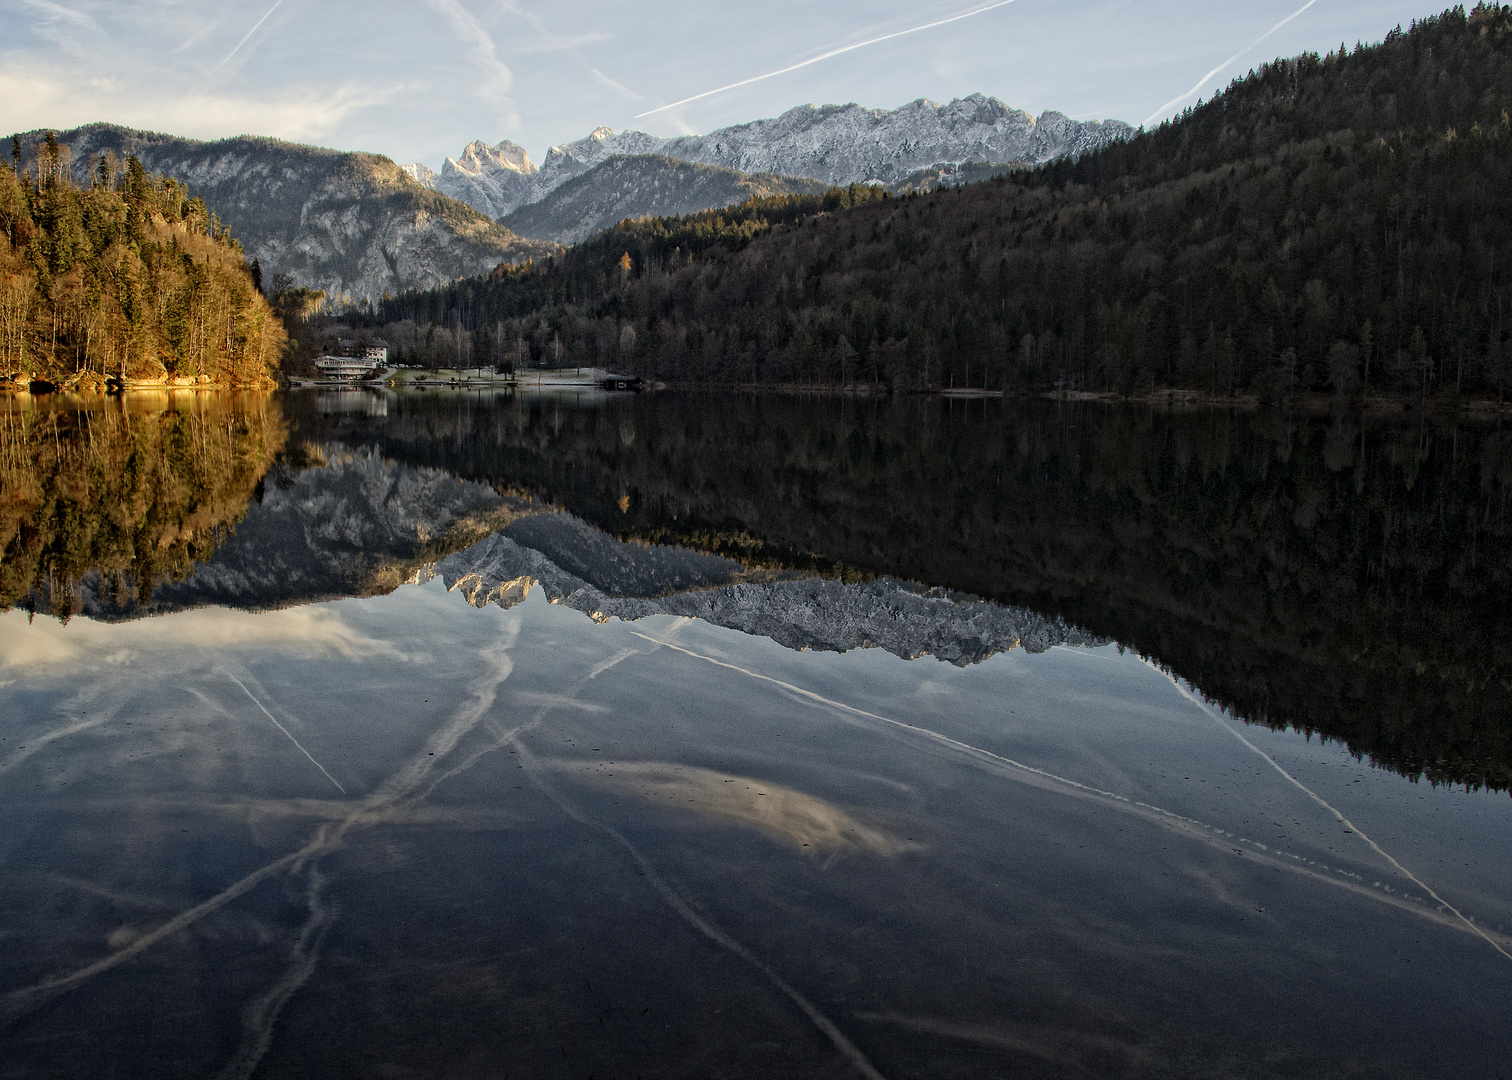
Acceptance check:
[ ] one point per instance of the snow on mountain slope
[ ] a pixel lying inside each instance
(837, 144)
(845, 144)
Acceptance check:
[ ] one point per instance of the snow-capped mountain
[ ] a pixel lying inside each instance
(845, 144)
(837, 144)
(631, 581)
(493, 179)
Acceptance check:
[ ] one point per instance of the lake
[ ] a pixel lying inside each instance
(456, 734)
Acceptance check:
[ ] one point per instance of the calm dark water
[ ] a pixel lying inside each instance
(448, 736)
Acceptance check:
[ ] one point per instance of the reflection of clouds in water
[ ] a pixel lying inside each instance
(46, 643)
(397, 793)
(782, 813)
(122, 936)
(254, 811)
(559, 701)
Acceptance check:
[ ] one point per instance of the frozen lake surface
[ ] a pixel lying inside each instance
(519, 813)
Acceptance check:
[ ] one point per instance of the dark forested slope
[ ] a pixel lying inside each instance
(1332, 223)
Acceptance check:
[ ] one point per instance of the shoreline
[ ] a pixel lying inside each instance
(180, 384)
(1312, 404)
(1171, 399)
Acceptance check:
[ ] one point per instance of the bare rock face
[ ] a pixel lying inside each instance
(834, 144)
(355, 225)
(493, 179)
(423, 175)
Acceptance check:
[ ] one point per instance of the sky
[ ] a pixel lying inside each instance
(419, 79)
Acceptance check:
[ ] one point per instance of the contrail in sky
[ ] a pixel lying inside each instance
(1201, 82)
(270, 716)
(831, 53)
(250, 32)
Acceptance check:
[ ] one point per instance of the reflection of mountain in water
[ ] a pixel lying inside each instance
(101, 496)
(1347, 575)
(347, 524)
(352, 523)
(632, 581)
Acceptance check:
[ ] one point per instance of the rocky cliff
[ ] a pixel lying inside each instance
(494, 179)
(627, 187)
(353, 224)
(837, 144)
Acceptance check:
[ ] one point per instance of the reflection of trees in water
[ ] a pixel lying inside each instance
(1347, 575)
(135, 488)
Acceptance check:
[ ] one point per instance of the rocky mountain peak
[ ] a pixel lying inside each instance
(834, 144)
(479, 158)
(423, 175)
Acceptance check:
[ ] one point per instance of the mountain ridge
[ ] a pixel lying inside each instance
(833, 144)
(354, 224)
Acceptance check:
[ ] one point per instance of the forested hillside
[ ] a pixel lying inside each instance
(1336, 223)
(127, 279)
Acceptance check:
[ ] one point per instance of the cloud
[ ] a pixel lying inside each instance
(46, 644)
(60, 24)
(788, 816)
(619, 88)
(247, 36)
(33, 97)
(485, 55)
(829, 54)
(572, 46)
(548, 43)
